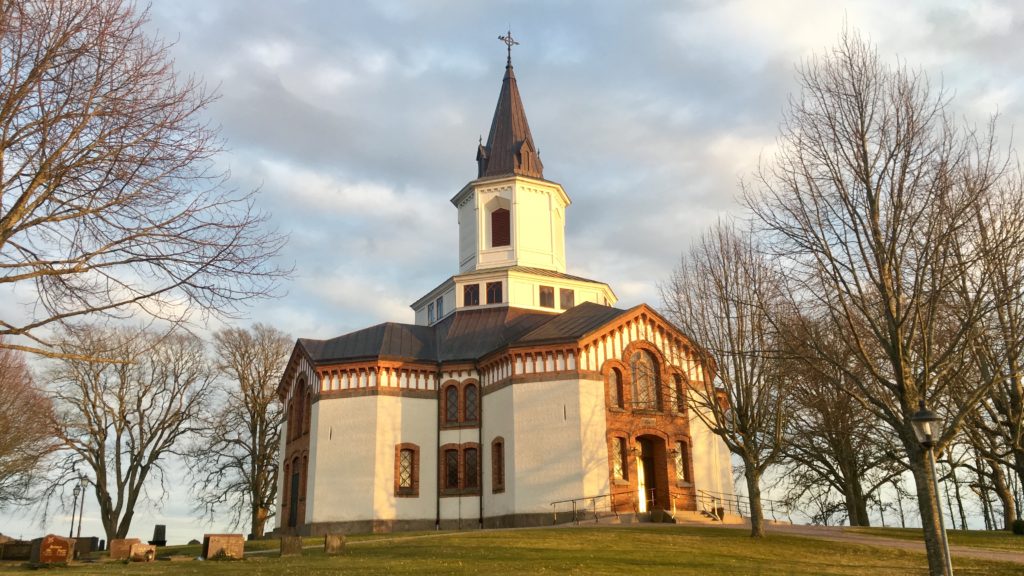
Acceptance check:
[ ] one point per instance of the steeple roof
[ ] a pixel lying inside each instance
(509, 149)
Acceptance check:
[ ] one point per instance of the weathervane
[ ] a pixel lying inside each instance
(510, 42)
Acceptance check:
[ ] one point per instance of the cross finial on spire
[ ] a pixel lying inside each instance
(509, 42)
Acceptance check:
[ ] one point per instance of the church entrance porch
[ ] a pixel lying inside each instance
(652, 474)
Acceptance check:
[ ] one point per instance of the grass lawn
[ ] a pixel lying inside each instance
(634, 550)
(992, 539)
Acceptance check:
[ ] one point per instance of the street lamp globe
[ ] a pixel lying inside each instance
(926, 425)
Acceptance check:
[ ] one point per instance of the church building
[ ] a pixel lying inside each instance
(519, 388)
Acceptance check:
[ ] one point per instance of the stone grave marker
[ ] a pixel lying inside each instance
(334, 543)
(142, 552)
(121, 549)
(16, 550)
(223, 545)
(51, 549)
(291, 546)
(159, 535)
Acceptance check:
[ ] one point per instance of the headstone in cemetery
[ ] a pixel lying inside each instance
(223, 546)
(334, 543)
(86, 545)
(291, 546)
(194, 542)
(51, 549)
(159, 535)
(142, 552)
(121, 548)
(16, 550)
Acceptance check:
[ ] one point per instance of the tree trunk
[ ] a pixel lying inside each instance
(754, 493)
(1002, 489)
(931, 508)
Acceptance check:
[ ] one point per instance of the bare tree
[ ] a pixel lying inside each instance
(722, 295)
(25, 434)
(875, 199)
(834, 443)
(121, 419)
(109, 200)
(234, 459)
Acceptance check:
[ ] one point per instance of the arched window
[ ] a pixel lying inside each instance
(619, 458)
(307, 411)
(471, 410)
(500, 228)
(498, 465)
(615, 388)
(682, 456)
(451, 405)
(680, 394)
(407, 470)
(451, 469)
(471, 460)
(644, 371)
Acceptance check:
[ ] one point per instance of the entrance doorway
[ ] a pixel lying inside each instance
(651, 474)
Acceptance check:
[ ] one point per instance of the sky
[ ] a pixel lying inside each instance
(358, 121)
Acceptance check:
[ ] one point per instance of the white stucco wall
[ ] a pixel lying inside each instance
(712, 465)
(352, 458)
(498, 421)
(559, 443)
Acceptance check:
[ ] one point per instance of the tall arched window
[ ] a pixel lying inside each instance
(451, 405)
(615, 388)
(680, 394)
(471, 465)
(644, 369)
(472, 411)
(498, 465)
(500, 228)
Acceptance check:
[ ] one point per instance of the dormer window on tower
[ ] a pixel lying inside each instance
(501, 229)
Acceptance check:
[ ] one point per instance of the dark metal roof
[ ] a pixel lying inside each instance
(388, 340)
(509, 149)
(571, 325)
(471, 334)
(465, 335)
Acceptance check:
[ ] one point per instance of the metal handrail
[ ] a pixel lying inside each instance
(712, 501)
(580, 506)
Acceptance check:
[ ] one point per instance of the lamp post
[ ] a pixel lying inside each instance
(925, 423)
(83, 482)
(74, 509)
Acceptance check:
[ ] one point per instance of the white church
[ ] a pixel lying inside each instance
(519, 388)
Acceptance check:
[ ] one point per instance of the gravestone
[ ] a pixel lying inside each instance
(142, 553)
(121, 549)
(194, 542)
(16, 550)
(223, 545)
(159, 535)
(291, 546)
(51, 549)
(86, 545)
(334, 543)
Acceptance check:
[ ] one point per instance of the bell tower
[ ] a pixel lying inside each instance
(510, 215)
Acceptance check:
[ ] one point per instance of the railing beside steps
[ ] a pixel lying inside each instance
(595, 507)
(717, 504)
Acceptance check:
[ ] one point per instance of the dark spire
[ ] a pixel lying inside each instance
(509, 149)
